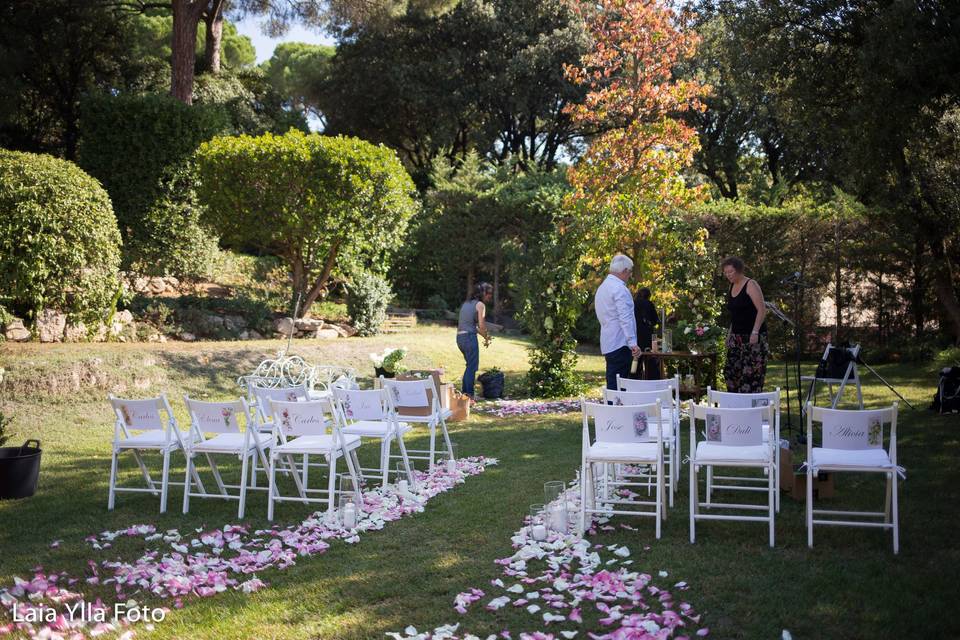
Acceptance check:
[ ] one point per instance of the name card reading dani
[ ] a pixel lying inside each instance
(734, 429)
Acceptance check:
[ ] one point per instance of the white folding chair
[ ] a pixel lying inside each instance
(371, 414)
(734, 438)
(307, 424)
(771, 435)
(622, 436)
(223, 420)
(672, 411)
(853, 442)
(668, 424)
(261, 397)
(417, 401)
(156, 433)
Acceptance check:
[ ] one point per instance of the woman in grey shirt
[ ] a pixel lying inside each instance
(471, 322)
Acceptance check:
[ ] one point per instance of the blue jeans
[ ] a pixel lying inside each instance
(470, 348)
(618, 361)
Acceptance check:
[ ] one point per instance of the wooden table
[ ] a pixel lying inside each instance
(701, 382)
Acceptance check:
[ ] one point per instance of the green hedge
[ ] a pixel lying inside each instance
(59, 243)
(138, 147)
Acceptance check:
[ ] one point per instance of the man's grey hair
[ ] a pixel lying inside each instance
(620, 263)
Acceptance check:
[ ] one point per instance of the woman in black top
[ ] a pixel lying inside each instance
(647, 322)
(747, 348)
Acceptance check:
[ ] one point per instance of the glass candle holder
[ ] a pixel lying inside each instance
(447, 460)
(401, 478)
(552, 491)
(557, 516)
(538, 525)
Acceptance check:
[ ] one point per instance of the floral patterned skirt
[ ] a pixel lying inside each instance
(746, 365)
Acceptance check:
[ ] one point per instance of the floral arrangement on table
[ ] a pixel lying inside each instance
(696, 337)
(390, 361)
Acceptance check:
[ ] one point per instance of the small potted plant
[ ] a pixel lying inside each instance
(19, 466)
(389, 363)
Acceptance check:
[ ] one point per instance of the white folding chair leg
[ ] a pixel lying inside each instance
(247, 455)
(770, 500)
(331, 483)
(216, 476)
(896, 514)
(709, 491)
(112, 495)
(385, 461)
(143, 469)
(165, 482)
(446, 436)
(693, 502)
(186, 483)
(271, 485)
(411, 477)
(809, 507)
(306, 471)
(433, 446)
(660, 494)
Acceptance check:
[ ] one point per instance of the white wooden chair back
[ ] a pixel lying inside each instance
(216, 417)
(621, 424)
(358, 405)
(855, 430)
(620, 398)
(142, 415)
(729, 400)
(629, 384)
(732, 427)
(263, 395)
(411, 393)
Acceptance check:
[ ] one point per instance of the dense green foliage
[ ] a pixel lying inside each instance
(59, 244)
(368, 295)
(328, 206)
(138, 146)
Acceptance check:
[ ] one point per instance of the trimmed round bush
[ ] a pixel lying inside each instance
(368, 295)
(59, 242)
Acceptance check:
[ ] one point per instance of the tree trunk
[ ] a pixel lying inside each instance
(838, 290)
(943, 284)
(919, 286)
(498, 258)
(214, 24)
(186, 19)
(321, 282)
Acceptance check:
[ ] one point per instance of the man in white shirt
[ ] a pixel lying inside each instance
(618, 326)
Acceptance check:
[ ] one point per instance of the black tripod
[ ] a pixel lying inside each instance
(859, 360)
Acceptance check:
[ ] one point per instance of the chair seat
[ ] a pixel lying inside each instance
(153, 440)
(710, 452)
(315, 444)
(373, 428)
(850, 458)
(418, 419)
(231, 442)
(623, 451)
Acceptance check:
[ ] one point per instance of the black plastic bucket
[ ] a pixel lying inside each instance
(492, 382)
(19, 470)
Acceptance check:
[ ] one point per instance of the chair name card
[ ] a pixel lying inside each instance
(735, 428)
(409, 394)
(362, 405)
(852, 430)
(140, 414)
(621, 424)
(215, 419)
(297, 421)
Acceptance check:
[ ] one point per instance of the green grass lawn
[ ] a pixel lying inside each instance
(849, 585)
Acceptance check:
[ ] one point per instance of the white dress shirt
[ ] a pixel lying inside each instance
(614, 304)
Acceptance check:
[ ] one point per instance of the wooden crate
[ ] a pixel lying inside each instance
(398, 319)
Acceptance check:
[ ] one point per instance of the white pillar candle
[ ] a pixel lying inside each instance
(558, 517)
(350, 516)
(403, 486)
(539, 532)
(451, 466)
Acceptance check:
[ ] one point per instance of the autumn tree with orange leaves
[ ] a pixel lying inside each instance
(628, 190)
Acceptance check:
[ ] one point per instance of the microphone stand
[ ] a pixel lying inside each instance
(786, 362)
(797, 285)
